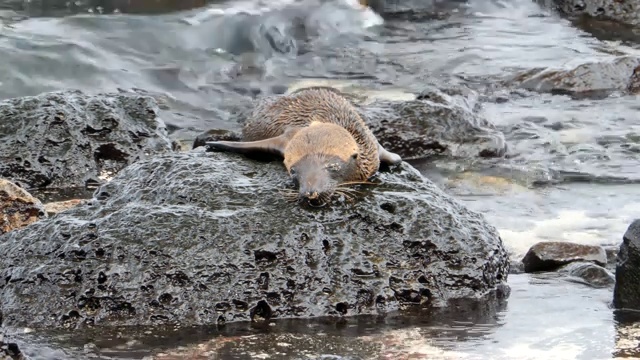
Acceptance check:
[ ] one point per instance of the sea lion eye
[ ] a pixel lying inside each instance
(293, 172)
(354, 156)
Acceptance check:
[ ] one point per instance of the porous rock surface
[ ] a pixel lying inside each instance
(200, 238)
(622, 11)
(435, 123)
(71, 139)
(589, 273)
(18, 208)
(618, 74)
(550, 255)
(626, 293)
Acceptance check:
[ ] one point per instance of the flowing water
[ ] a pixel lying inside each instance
(573, 171)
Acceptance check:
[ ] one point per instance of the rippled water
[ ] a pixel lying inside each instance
(572, 174)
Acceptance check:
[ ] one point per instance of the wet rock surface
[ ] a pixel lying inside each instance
(623, 11)
(72, 139)
(626, 293)
(588, 79)
(172, 240)
(18, 208)
(550, 255)
(589, 273)
(435, 123)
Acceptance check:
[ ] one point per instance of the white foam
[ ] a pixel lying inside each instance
(367, 17)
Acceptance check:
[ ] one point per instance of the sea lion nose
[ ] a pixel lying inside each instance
(312, 195)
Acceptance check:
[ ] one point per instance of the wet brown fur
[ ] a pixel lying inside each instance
(326, 119)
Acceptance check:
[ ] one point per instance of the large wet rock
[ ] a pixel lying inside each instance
(18, 208)
(626, 293)
(593, 78)
(72, 139)
(550, 255)
(433, 123)
(201, 238)
(622, 11)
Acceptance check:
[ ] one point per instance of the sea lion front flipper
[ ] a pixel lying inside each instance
(274, 145)
(388, 157)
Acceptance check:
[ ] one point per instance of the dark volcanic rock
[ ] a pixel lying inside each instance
(589, 273)
(433, 124)
(594, 78)
(626, 293)
(436, 123)
(70, 139)
(200, 238)
(18, 208)
(216, 135)
(415, 9)
(549, 255)
(623, 11)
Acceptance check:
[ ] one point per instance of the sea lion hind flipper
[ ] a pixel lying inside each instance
(388, 157)
(274, 145)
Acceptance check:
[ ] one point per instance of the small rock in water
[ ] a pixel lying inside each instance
(550, 255)
(60, 206)
(626, 293)
(18, 208)
(590, 273)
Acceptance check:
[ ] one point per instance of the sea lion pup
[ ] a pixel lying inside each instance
(322, 138)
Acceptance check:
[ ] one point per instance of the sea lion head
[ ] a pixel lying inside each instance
(319, 158)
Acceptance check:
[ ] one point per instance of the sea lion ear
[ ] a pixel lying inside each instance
(274, 145)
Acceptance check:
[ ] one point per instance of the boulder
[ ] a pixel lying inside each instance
(589, 79)
(622, 11)
(589, 273)
(71, 139)
(550, 255)
(18, 208)
(200, 238)
(626, 293)
(434, 123)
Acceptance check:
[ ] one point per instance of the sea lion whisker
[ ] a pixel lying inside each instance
(349, 190)
(344, 194)
(357, 183)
